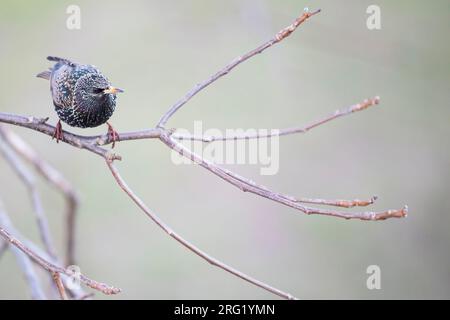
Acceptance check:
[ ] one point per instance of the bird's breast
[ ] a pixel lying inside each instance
(86, 117)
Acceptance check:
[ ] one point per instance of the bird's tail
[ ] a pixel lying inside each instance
(59, 62)
(44, 74)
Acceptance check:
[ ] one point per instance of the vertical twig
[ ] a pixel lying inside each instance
(59, 284)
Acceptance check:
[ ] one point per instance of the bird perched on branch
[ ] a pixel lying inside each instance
(83, 97)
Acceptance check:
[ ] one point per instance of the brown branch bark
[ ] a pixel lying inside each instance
(39, 124)
(59, 284)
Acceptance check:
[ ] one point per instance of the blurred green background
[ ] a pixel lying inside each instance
(157, 51)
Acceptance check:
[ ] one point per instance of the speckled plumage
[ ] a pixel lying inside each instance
(78, 93)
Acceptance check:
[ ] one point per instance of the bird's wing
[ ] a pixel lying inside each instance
(63, 82)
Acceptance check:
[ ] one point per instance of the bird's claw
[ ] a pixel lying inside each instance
(58, 133)
(112, 135)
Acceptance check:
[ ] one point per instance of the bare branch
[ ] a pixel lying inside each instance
(199, 87)
(70, 138)
(52, 268)
(186, 243)
(286, 131)
(247, 185)
(90, 143)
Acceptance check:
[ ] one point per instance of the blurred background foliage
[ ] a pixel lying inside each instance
(156, 51)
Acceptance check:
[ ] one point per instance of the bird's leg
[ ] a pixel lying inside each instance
(112, 134)
(58, 134)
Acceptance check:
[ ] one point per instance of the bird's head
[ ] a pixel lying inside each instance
(98, 85)
(94, 90)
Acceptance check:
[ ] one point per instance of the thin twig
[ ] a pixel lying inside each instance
(199, 87)
(339, 203)
(121, 182)
(248, 185)
(59, 284)
(50, 267)
(282, 132)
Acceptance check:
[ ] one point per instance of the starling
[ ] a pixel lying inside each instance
(83, 97)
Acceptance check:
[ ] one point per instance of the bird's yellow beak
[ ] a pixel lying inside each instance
(112, 90)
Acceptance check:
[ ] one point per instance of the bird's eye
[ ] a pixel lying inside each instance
(97, 90)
